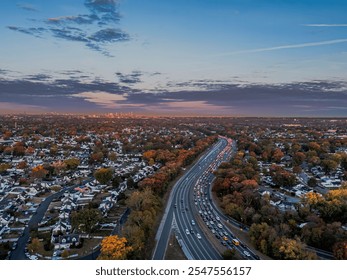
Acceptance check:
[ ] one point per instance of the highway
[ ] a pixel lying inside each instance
(182, 211)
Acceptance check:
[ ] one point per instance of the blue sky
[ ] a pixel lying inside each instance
(214, 57)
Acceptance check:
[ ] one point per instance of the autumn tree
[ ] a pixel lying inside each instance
(114, 248)
(329, 165)
(39, 172)
(113, 156)
(298, 158)
(290, 249)
(22, 165)
(340, 250)
(19, 149)
(65, 254)
(4, 167)
(144, 207)
(277, 155)
(72, 163)
(34, 246)
(103, 175)
(262, 236)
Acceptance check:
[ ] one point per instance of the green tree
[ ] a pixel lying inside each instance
(86, 220)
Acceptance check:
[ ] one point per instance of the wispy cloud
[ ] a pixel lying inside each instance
(27, 7)
(133, 78)
(95, 29)
(284, 47)
(326, 25)
(33, 31)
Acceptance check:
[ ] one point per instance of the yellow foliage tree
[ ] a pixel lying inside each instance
(114, 248)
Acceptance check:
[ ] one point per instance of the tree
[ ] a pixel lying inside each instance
(19, 149)
(72, 163)
(298, 158)
(114, 248)
(39, 172)
(103, 175)
(4, 167)
(312, 182)
(86, 220)
(340, 250)
(290, 249)
(22, 165)
(297, 169)
(262, 236)
(277, 155)
(65, 254)
(229, 254)
(329, 165)
(112, 156)
(34, 246)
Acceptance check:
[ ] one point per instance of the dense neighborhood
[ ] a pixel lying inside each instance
(67, 182)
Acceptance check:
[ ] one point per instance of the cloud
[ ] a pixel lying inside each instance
(325, 25)
(33, 31)
(39, 77)
(27, 7)
(80, 19)
(294, 46)
(70, 34)
(133, 78)
(71, 94)
(105, 99)
(3, 71)
(109, 35)
(107, 10)
(94, 29)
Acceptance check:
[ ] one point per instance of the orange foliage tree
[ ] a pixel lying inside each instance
(114, 248)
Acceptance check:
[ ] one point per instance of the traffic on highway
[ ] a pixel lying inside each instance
(191, 200)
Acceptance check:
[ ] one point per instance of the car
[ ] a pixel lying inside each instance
(193, 222)
(220, 226)
(223, 243)
(247, 254)
(217, 218)
(198, 235)
(217, 235)
(187, 231)
(33, 257)
(225, 233)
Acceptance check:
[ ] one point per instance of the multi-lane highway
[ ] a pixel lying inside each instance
(182, 209)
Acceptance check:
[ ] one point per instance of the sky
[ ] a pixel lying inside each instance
(182, 57)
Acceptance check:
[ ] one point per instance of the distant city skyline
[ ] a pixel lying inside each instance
(183, 57)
